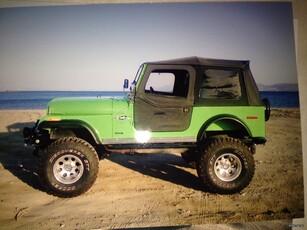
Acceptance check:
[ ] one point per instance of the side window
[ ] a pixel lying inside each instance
(220, 84)
(168, 82)
(160, 82)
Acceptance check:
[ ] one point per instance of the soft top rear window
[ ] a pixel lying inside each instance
(220, 84)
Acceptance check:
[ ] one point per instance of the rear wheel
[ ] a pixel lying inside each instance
(226, 166)
(68, 167)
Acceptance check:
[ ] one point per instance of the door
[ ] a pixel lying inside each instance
(164, 100)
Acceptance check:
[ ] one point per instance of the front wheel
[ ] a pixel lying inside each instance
(226, 166)
(68, 167)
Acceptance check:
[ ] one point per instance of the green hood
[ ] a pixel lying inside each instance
(86, 106)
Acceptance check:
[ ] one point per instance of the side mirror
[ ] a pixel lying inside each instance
(126, 84)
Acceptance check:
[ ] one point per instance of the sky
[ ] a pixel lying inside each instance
(95, 47)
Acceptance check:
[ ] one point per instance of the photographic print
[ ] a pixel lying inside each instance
(149, 115)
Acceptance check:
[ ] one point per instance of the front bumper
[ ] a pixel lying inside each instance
(35, 137)
(30, 134)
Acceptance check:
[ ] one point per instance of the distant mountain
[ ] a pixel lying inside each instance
(278, 87)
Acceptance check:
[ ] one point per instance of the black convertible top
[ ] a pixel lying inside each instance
(250, 91)
(203, 61)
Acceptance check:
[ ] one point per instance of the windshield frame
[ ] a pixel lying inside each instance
(134, 85)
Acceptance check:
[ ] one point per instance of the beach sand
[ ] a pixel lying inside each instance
(153, 189)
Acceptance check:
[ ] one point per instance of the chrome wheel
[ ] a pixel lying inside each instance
(68, 169)
(227, 167)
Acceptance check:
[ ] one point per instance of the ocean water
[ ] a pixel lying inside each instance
(282, 99)
(39, 99)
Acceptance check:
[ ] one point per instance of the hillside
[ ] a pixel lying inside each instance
(278, 87)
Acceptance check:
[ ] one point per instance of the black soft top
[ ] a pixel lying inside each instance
(250, 92)
(203, 61)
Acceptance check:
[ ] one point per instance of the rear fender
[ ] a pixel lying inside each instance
(224, 125)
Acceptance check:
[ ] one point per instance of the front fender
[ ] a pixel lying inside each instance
(70, 124)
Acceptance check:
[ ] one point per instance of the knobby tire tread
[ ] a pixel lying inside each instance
(63, 141)
(205, 154)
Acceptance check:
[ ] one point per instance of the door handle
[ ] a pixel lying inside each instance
(159, 113)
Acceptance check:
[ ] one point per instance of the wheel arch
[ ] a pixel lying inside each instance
(77, 128)
(224, 124)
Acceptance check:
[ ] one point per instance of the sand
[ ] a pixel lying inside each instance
(153, 189)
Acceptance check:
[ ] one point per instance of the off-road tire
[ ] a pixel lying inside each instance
(225, 166)
(68, 167)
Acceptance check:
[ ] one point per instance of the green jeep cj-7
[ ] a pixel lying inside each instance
(212, 108)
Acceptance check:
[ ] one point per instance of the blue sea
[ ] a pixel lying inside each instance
(39, 99)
